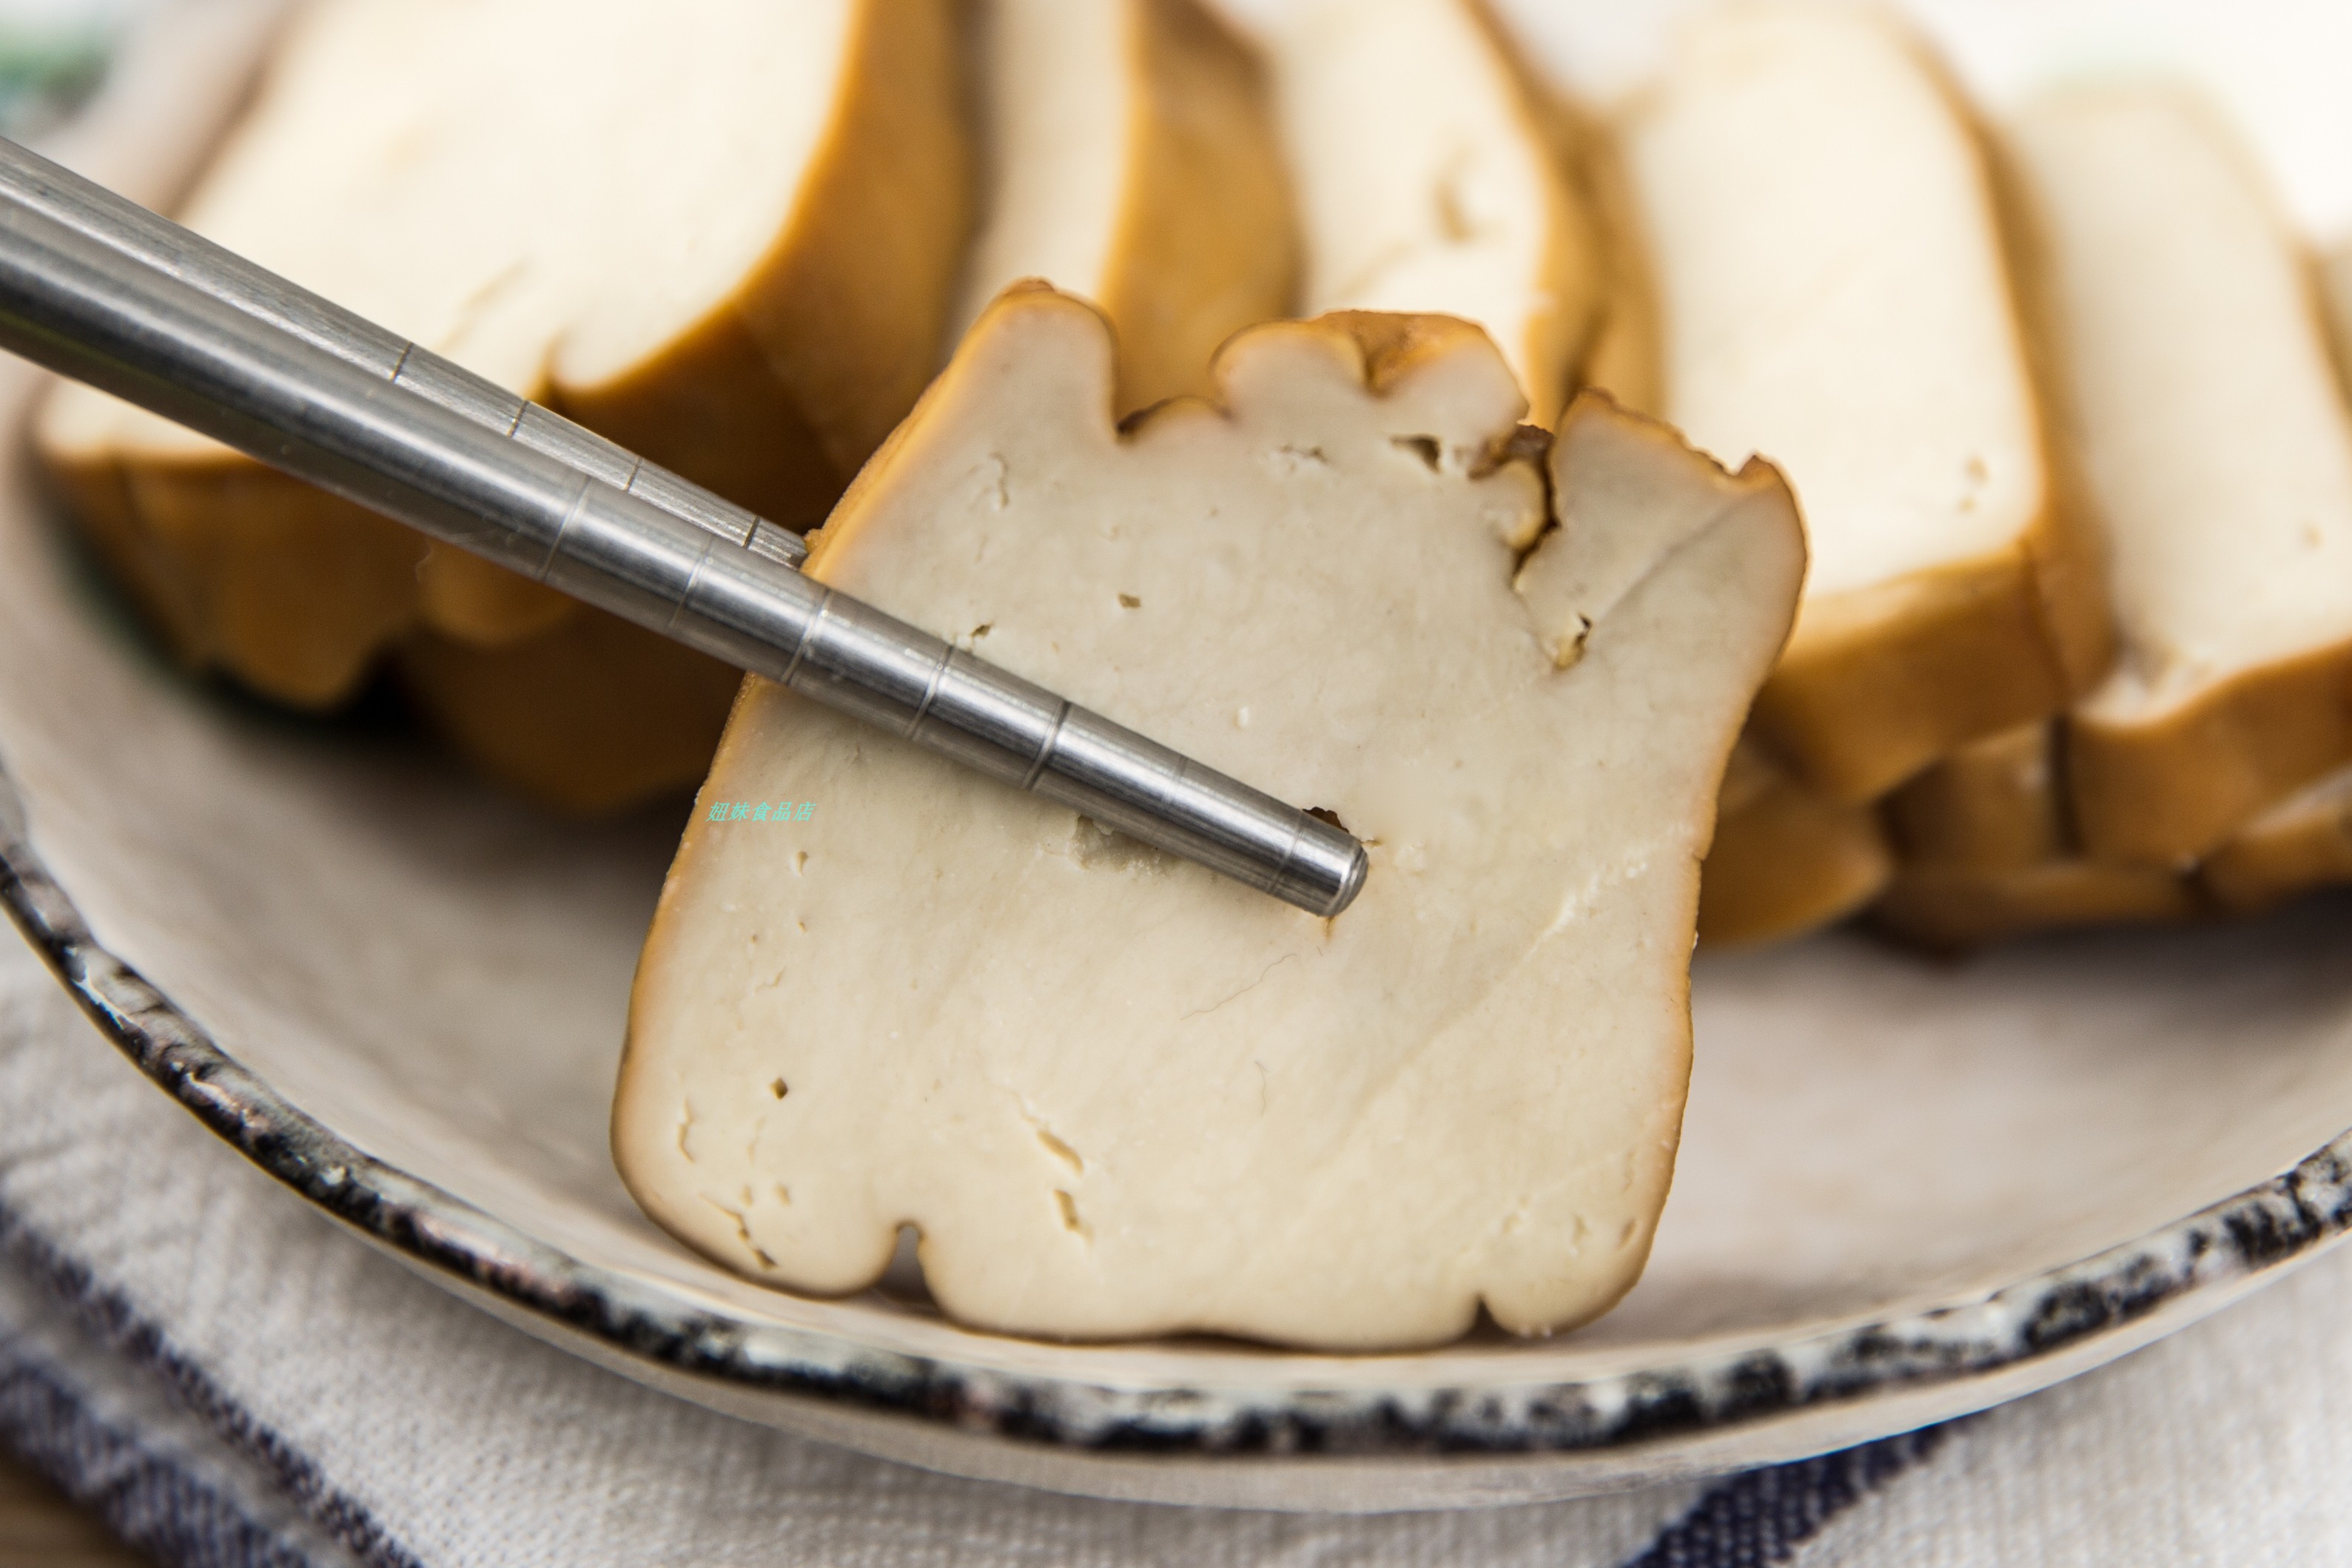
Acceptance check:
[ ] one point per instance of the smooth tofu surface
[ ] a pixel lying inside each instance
(551, 191)
(1833, 292)
(2208, 418)
(1056, 86)
(2216, 450)
(1115, 1094)
(1785, 859)
(1998, 804)
(723, 235)
(2302, 843)
(1954, 909)
(1131, 158)
(1426, 181)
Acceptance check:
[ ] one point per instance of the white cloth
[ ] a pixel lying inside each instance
(232, 1380)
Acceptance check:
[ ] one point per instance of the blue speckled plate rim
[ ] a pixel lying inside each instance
(2260, 1231)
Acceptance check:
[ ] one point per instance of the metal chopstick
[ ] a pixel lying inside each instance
(107, 293)
(96, 212)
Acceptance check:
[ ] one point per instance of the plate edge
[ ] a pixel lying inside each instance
(2054, 1316)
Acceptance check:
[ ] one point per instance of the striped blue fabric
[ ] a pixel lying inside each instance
(1762, 1517)
(111, 1412)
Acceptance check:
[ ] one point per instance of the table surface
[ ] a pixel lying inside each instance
(39, 1528)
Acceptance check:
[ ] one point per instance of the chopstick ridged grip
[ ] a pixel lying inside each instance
(91, 309)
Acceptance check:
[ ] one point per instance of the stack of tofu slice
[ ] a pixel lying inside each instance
(1129, 156)
(2076, 470)
(2198, 394)
(724, 239)
(2055, 397)
(1834, 291)
(739, 241)
(1430, 177)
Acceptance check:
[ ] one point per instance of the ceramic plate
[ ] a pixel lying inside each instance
(1907, 1190)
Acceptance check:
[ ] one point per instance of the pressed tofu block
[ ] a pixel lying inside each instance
(1988, 851)
(585, 717)
(1833, 293)
(1117, 1095)
(1131, 158)
(725, 237)
(1620, 352)
(2303, 842)
(1786, 858)
(1996, 804)
(1951, 909)
(1428, 179)
(2336, 302)
(2198, 392)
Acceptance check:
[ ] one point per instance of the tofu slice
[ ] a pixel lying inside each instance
(2217, 454)
(1833, 293)
(1994, 805)
(1116, 1095)
(2303, 842)
(1428, 179)
(2336, 302)
(1987, 852)
(1786, 858)
(1621, 353)
(587, 718)
(1131, 158)
(1952, 909)
(726, 238)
